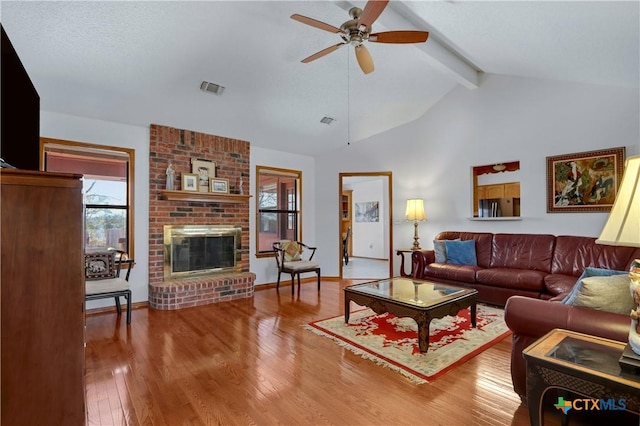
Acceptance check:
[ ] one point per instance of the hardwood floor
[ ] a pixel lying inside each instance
(251, 362)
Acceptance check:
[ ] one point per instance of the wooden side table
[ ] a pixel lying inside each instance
(579, 363)
(401, 252)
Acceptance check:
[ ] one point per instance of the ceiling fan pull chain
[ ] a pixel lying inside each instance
(348, 98)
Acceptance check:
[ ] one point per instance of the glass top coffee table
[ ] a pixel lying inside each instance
(417, 299)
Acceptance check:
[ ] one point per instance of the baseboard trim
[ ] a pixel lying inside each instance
(287, 282)
(102, 310)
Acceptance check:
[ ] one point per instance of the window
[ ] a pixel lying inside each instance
(278, 206)
(107, 189)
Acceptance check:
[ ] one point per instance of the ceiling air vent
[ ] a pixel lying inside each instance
(327, 120)
(212, 88)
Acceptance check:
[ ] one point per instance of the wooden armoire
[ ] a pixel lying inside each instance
(42, 292)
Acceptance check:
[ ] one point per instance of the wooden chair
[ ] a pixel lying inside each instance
(102, 277)
(345, 246)
(289, 259)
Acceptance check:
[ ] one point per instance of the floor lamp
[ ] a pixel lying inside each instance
(415, 212)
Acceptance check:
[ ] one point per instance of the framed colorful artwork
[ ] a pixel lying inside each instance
(585, 181)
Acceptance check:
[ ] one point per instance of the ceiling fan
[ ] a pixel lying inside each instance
(357, 30)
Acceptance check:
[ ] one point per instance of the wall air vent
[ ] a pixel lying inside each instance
(327, 120)
(212, 88)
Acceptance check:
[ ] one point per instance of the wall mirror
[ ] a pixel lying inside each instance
(496, 190)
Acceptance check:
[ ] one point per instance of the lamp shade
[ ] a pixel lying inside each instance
(623, 226)
(415, 209)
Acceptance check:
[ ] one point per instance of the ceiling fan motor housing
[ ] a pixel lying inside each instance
(352, 33)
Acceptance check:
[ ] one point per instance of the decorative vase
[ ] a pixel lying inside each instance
(634, 331)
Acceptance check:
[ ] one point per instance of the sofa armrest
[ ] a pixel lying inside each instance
(529, 319)
(535, 317)
(419, 260)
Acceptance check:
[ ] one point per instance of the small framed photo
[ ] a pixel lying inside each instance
(189, 182)
(205, 170)
(219, 185)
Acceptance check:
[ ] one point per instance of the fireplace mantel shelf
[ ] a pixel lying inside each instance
(203, 197)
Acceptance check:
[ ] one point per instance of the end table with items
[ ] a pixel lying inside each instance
(585, 365)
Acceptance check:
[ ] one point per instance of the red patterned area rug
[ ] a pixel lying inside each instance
(393, 342)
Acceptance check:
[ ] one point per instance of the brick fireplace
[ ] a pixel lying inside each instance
(231, 156)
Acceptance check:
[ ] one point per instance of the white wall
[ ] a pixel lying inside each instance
(369, 237)
(265, 267)
(72, 128)
(506, 119)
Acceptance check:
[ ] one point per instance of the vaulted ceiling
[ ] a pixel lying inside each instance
(141, 62)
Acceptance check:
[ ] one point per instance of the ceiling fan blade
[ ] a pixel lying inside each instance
(364, 59)
(315, 23)
(399, 37)
(371, 12)
(321, 53)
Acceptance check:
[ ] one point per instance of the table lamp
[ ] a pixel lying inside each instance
(623, 229)
(415, 212)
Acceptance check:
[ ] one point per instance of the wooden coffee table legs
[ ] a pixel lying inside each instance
(422, 316)
(423, 319)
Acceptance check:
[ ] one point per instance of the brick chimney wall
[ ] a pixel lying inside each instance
(231, 156)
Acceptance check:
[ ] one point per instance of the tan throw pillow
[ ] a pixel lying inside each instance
(292, 251)
(609, 294)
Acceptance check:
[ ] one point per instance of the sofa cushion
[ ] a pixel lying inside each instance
(520, 279)
(450, 271)
(611, 294)
(573, 254)
(461, 252)
(557, 284)
(523, 251)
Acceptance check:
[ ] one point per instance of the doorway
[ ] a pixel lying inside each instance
(366, 215)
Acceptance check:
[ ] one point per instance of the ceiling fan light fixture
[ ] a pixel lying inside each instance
(217, 89)
(327, 120)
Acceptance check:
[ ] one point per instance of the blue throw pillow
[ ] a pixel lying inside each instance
(461, 252)
(571, 298)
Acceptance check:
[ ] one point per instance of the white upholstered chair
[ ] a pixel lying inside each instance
(290, 259)
(103, 280)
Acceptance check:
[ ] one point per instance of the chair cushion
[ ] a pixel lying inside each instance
(105, 286)
(99, 265)
(292, 250)
(300, 265)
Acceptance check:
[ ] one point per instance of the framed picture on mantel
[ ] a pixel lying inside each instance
(585, 181)
(189, 182)
(205, 170)
(219, 185)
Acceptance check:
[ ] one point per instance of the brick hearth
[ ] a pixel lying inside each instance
(231, 156)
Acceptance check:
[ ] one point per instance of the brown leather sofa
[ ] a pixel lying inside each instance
(531, 274)
(534, 265)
